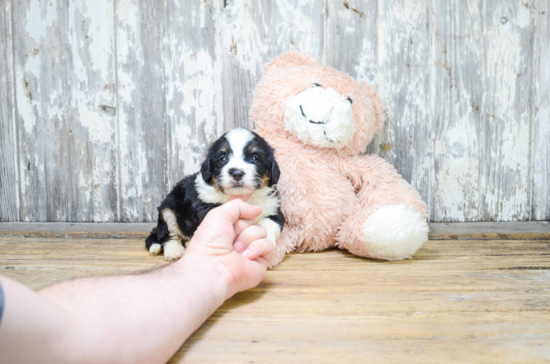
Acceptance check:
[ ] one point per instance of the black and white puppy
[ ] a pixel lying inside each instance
(239, 163)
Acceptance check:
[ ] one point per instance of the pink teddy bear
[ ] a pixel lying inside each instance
(319, 120)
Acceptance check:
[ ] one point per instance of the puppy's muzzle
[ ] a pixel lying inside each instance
(236, 174)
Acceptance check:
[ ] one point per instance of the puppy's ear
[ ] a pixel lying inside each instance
(274, 171)
(206, 171)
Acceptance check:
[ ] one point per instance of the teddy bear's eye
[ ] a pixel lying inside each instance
(350, 100)
(316, 85)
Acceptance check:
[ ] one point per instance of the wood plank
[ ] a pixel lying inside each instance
(404, 56)
(141, 45)
(252, 33)
(458, 95)
(91, 138)
(9, 178)
(332, 306)
(534, 230)
(90, 141)
(77, 230)
(194, 113)
(40, 79)
(540, 136)
(404, 62)
(348, 22)
(490, 230)
(509, 35)
(64, 80)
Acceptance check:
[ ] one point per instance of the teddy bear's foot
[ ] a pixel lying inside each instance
(395, 232)
(392, 232)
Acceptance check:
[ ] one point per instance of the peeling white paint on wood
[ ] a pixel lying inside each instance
(458, 101)
(508, 84)
(253, 32)
(9, 177)
(106, 104)
(540, 135)
(404, 84)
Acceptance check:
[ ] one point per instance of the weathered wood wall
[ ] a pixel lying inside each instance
(105, 104)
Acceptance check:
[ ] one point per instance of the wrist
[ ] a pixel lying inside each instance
(207, 275)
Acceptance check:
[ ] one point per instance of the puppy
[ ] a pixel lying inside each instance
(239, 163)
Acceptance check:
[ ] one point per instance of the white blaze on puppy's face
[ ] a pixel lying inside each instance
(321, 116)
(238, 140)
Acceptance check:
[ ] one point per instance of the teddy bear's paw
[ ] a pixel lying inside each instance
(394, 232)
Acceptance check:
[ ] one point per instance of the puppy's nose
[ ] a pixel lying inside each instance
(237, 174)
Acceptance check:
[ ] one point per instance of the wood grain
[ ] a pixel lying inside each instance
(508, 36)
(142, 137)
(534, 230)
(106, 104)
(193, 115)
(64, 64)
(404, 84)
(254, 32)
(9, 179)
(457, 301)
(42, 101)
(457, 99)
(540, 149)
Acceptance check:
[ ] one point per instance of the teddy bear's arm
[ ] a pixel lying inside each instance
(377, 183)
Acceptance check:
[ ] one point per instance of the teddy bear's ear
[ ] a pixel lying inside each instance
(370, 91)
(293, 58)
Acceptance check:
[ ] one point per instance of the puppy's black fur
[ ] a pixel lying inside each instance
(190, 209)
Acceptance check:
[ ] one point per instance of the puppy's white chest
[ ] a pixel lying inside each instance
(267, 199)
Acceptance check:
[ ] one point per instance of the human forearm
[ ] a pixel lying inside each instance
(142, 318)
(147, 320)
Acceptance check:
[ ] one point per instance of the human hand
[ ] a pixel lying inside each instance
(212, 245)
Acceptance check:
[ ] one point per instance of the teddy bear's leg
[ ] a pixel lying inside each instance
(390, 232)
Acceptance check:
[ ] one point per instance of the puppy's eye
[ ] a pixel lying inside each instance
(316, 85)
(255, 159)
(223, 159)
(350, 100)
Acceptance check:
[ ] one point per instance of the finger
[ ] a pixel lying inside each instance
(235, 210)
(264, 262)
(240, 225)
(258, 248)
(250, 234)
(243, 198)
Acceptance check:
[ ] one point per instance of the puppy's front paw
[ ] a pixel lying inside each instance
(173, 250)
(155, 249)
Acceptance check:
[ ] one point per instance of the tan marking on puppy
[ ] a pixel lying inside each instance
(253, 149)
(216, 184)
(265, 181)
(173, 249)
(172, 222)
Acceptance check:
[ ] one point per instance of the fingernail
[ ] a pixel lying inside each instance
(246, 253)
(238, 246)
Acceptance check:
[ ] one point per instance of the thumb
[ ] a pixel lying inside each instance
(235, 210)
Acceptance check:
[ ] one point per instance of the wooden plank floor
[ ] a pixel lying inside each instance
(457, 301)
